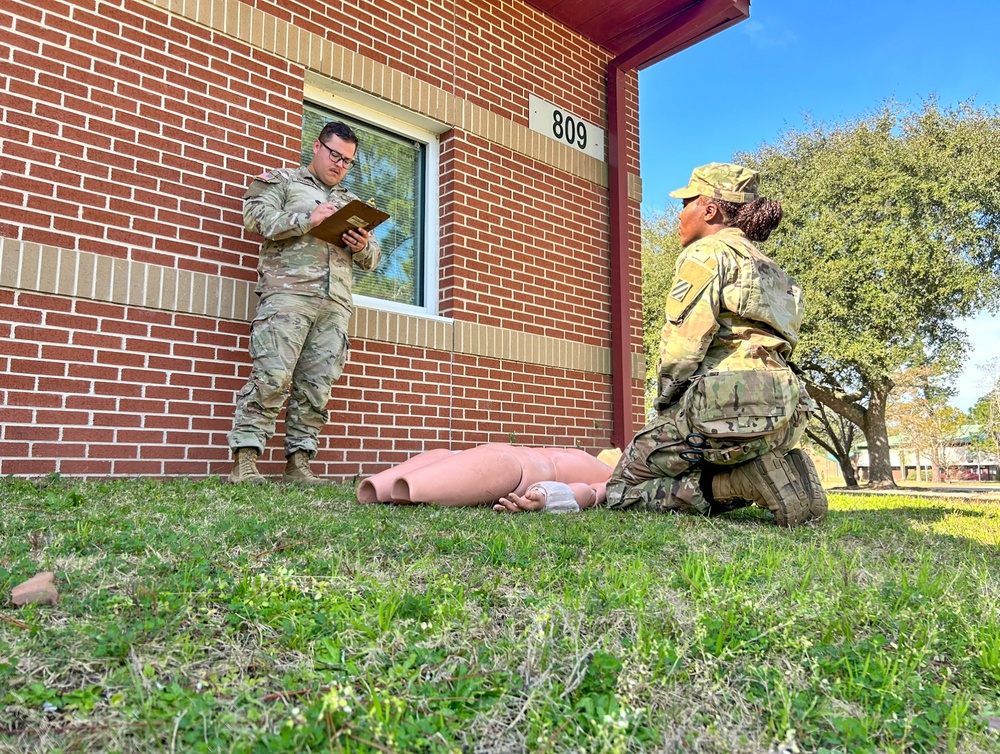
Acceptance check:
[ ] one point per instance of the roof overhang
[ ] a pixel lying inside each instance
(643, 32)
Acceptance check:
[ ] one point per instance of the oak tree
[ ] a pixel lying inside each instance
(892, 228)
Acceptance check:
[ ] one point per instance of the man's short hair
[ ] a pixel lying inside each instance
(339, 129)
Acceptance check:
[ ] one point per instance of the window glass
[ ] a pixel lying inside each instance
(390, 170)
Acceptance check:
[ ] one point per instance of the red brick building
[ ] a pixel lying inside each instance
(503, 137)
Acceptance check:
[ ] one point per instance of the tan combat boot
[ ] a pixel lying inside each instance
(809, 478)
(245, 467)
(769, 482)
(297, 471)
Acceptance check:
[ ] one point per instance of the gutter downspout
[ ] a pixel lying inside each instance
(622, 427)
(700, 20)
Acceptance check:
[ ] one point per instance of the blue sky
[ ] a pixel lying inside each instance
(831, 61)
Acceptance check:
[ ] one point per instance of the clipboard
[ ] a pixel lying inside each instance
(354, 214)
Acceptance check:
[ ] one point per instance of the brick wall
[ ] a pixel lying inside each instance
(128, 131)
(524, 259)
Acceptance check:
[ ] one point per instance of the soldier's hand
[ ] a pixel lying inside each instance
(322, 212)
(533, 501)
(355, 240)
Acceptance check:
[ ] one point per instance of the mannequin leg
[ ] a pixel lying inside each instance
(477, 476)
(378, 488)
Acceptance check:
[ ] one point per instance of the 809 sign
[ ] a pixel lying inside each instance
(572, 130)
(567, 128)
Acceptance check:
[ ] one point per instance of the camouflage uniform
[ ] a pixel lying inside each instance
(726, 394)
(298, 337)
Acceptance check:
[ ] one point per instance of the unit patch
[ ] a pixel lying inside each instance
(691, 279)
(680, 289)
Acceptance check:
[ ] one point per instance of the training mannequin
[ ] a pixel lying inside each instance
(485, 474)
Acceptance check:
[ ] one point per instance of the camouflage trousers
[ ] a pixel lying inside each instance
(660, 470)
(299, 346)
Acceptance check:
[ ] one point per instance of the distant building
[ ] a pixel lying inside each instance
(960, 461)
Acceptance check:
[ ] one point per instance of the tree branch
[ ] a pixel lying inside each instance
(843, 403)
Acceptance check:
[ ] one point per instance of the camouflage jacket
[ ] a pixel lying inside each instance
(729, 308)
(278, 205)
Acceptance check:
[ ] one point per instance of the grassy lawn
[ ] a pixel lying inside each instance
(196, 616)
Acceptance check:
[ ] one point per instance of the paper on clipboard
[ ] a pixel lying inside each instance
(355, 214)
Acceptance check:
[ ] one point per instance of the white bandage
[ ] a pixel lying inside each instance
(558, 497)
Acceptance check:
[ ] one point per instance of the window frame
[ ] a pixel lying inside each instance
(395, 119)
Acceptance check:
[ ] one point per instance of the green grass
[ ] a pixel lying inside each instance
(196, 616)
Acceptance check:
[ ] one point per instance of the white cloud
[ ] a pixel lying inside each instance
(766, 36)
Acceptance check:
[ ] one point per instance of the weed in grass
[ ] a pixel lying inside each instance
(986, 644)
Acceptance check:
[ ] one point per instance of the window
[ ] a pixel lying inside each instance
(393, 168)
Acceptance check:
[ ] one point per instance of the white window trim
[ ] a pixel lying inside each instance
(365, 107)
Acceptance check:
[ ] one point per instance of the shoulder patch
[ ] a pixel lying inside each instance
(691, 279)
(262, 183)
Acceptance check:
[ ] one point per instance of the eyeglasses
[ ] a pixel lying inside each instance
(337, 158)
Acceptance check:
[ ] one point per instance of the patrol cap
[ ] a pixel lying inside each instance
(721, 180)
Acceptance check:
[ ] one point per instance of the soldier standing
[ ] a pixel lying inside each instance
(298, 337)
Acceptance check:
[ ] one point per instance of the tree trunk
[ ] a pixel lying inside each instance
(837, 446)
(936, 461)
(872, 423)
(879, 460)
(847, 469)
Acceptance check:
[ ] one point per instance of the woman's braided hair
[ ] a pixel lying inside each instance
(756, 219)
